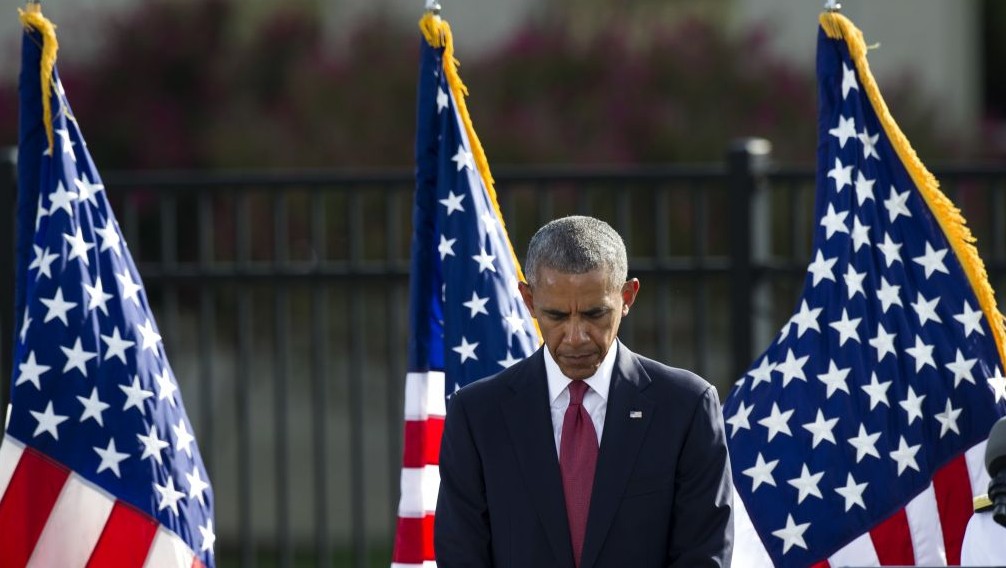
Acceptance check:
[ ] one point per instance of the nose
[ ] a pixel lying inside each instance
(576, 333)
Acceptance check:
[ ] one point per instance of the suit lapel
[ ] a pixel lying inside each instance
(620, 442)
(529, 422)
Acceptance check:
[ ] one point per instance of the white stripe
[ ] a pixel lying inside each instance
(75, 524)
(926, 529)
(168, 551)
(420, 488)
(10, 455)
(748, 548)
(976, 469)
(859, 552)
(6, 420)
(424, 395)
(427, 564)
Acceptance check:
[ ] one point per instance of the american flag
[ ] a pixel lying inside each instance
(99, 465)
(467, 320)
(857, 437)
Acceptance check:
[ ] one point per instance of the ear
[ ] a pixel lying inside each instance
(527, 295)
(629, 291)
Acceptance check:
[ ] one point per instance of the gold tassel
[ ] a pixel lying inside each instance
(837, 26)
(31, 17)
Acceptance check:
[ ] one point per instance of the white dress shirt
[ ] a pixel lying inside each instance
(595, 400)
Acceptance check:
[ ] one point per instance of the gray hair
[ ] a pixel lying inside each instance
(577, 245)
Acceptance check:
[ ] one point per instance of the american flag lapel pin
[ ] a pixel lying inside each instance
(635, 414)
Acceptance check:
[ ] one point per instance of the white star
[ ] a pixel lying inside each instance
(913, 405)
(152, 445)
(509, 361)
(897, 204)
(806, 319)
(905, 455)
(43, 262)
(66, 143)
(761, 472)
(888, 294)
(860, 234)
(196, 485)
(78, 247)
(515, 322)
(891, 250)
(93, 407)
(446, 247)
(865, 444)
(846, 328)
(477, 305)
(841, 174)
(135, 396)
(762, 373)
(853, 493)
(453, 202)
(77, 358)
(39, 213)
(442, 99)
(961, 368)
(87, 190)
(922, 353)
(150, 337)
(48, 421)
(777, 422)
(998, 384)
(464, 159)
(971, 320)
(109, 238)
(821, 429)
(948, 419)
(30, 372)
(806, 484)
(489, 222)
(877, 391)
(209, 538)
(854, 282)
(792, 534)
(848, 80)
(165, 387)
(169, 495)
(864, 188)
(485, 261)
(932, 261)
(869, 144)
(97, 298)
(183, 439)
(883, 343)
(115, 346)
(834, 222)
(61, 199)
(57, 307)
(846, 129)
(466, 350)
(926, 309)
(110, 458)
(740, 419)
(821, 268)
(130, 289)
(24, 326)
(792, 368)
(835, 379)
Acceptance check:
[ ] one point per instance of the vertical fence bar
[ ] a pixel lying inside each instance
(281, 346)
(358, 324)
(623, 224)
(394, 348)
(663, 256)
(207, 332)
(701, 306)
(169, 262)
(319, 347)
(243, 384)
(8, 203)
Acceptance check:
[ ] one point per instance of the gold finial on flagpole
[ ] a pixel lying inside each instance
(832, 6)
(432, 6)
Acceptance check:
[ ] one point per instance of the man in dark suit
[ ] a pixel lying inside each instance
(584, 454)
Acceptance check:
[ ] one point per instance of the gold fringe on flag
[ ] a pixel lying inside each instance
(837, 26)
(31, 17)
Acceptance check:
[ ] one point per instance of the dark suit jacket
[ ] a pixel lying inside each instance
(662, 489)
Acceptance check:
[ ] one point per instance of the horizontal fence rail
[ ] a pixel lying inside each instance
(282, 298)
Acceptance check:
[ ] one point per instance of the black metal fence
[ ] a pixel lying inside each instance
(282, 300)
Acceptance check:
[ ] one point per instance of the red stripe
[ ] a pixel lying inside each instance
(422, 442)
(126, 539)
(413, 540)
(25, 508)
(893, 541)
(197, 563)
(952, 485)
(822, 564)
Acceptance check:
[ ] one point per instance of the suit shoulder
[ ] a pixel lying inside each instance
(681, 381)
(488, 388)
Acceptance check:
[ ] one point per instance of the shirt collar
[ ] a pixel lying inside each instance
(599, 382)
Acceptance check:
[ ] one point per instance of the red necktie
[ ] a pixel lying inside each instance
(577, 460)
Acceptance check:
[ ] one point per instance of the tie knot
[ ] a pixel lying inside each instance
(576, 391)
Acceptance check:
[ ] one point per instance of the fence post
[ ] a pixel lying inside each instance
(747, 164)
(8, 203)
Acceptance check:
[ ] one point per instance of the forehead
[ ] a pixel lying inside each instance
(592, 286)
